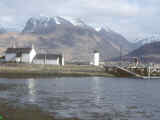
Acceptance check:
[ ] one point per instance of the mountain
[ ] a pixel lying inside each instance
(148, 52)
(116, 40)
(45, 24)
(146, 40)
(70, 36)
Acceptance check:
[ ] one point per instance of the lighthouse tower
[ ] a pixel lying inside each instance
(96, 58)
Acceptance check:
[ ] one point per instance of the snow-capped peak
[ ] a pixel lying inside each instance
(148, 39)
(41, 18)
(107, 29)
(45, 21)
(98, 29)
(57, 20)
(74, 21)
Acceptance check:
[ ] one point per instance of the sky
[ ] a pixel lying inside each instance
(131, 18)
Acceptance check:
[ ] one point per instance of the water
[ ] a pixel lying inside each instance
(88, 98)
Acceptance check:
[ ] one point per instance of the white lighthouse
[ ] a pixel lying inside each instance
(96, 58)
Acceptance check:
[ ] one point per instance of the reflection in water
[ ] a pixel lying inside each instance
(97, 90)
(31, 90)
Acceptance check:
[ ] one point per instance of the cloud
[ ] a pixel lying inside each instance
(124, 16)
(6, 19)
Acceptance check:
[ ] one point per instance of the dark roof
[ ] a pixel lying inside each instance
(18, 50)
(48, 56)
(18, 54)
(95, 51)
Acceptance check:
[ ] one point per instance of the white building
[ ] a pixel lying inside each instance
(96, 58)
(50, 59)
(24, 55)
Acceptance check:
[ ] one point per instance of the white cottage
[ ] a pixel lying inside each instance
(50, 59)
(25, 55)
(96, 59)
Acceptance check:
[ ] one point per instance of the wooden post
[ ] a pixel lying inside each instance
(149, 72)
(45, 58)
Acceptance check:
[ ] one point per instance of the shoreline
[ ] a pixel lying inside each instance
(48, 75)
(14, 70)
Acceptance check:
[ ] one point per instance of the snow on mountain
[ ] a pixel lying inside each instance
(107, 29)
(148, 39)
(74, 21)
(42, 21)
(57, 20)
(98, 29)
(101, 28)
(60, 20)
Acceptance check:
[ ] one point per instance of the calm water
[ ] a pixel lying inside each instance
(88, 98)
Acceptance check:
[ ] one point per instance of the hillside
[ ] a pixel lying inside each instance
(148, 52)
(146, 40)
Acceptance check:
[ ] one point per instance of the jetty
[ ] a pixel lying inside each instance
(141, 72)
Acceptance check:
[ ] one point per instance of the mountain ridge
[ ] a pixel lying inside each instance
(149, 52)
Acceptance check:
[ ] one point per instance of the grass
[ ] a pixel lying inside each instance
(32, 70)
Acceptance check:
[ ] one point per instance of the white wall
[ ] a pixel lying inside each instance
(25, 58)
(52, 62)
(96, 59)
(47, 62)
(28, 58)
(62, 60)
(18, 59)
(32, 55)
(10, 57)
(39, 62)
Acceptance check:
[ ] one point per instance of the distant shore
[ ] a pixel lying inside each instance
(13, 70)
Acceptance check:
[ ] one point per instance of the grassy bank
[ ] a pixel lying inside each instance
(26, 70)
